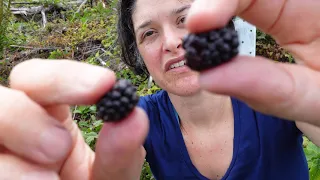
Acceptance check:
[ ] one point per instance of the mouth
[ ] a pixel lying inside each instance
(175, 63)
(178, 64)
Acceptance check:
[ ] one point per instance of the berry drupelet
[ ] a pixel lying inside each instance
(118, 102)
(212, 48)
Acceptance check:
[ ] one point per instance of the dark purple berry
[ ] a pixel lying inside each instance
(210, 49)
(118, 102)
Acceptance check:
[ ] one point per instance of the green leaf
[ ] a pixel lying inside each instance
(97, 123)
(315, 169)
(314, 148)
(90, 139)
(77, 111)
(93, 108)
(93, 134)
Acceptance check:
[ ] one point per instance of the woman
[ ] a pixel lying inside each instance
(196, 134)
(221, 137)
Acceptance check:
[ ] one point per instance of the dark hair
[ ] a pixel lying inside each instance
(126, 37)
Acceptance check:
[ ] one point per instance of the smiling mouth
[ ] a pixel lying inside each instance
(178, 64)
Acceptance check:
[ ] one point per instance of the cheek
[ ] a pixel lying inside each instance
(151, 54)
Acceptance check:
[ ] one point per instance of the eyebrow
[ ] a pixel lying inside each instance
(173, 12)
(181, 9)
(143, 25)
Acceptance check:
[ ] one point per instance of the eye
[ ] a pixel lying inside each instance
(148, 33)
(182, 19)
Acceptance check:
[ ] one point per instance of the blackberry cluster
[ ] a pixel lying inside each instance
(118, 102)
(212, 48)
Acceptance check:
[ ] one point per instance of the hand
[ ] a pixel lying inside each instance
(288, 91)
(39, 139)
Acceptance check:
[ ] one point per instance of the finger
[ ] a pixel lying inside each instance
(119, 151)
(208, 14)
(14, 168)
(285, 90)
(61, 81)
(79, 163)
(27, 130)
(60, 112)
(307, 54)
(277, 18)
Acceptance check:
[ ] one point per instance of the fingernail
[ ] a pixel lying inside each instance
(55, 143)
(43, 175)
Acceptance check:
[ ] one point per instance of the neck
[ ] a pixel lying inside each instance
(203, 110)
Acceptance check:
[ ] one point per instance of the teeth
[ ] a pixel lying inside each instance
(178, 64)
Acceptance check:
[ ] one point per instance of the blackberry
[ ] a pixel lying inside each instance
(118, 102)
(212, 48)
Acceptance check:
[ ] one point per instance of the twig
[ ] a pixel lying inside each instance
(20, 12)
(102, 49)
(25, 47)
(103, 4)
(101, 61)
(44, 18)
(31, 10)
(74, 114)
(82, 4)
(149, 82)
(30, 47)
(91, 51)
(26, 3)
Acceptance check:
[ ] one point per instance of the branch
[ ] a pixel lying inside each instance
(32, 10)
(74, 114)
(101, 61)
(30, 47)
(150, 79)
(82, 4)
(78, 2)
(92, 51)
(27, 11)
(38, 9)
(30, 51)
(26, 3)
(103, 4)
(44, 19)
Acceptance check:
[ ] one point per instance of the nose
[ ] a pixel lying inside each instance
(172, 40)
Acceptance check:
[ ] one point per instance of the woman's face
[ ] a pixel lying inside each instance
(159, 29)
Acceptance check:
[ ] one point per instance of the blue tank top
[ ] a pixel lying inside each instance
(265, 147)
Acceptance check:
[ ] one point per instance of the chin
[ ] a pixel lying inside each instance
(186, 86)
(182, 85)
(185, 92)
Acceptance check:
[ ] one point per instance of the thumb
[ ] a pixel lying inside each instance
(209, 14)
(285, 90)
(119, 150)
